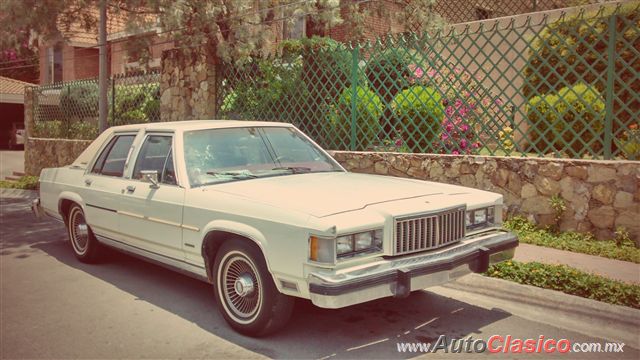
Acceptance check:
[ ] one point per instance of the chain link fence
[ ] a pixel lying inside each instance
(563, 88)
(70, 110)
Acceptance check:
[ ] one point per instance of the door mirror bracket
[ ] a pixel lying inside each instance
(150, 176)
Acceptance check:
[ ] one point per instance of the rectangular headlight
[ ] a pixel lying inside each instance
(361, 243)
(344, 244)
(480, 218)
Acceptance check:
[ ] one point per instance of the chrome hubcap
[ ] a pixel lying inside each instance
(80, 232)
(241, 287)
(244, 285)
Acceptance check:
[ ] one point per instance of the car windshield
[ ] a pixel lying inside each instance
(222, 155)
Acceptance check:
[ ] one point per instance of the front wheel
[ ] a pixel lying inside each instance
(245, 292)
(84, 244)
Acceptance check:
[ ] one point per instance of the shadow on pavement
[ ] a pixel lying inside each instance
(369, 330)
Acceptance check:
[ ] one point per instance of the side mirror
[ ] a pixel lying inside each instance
(150, 176)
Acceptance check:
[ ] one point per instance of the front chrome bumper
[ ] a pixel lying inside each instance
(399, 276)
(37, 209)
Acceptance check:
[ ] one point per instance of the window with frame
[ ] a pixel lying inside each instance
(112, 160)
(54, 63)
(156, 155)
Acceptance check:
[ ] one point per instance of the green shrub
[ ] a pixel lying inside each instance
(47, 129)
(368, 109)
(56, 129)
(528, 233)
(419, 112)
(570, 120)
(135, 104)
(24, 183)
(388, 71)
(79, 100)
(265, 91)
(574, 49)
(569, 281)
(326, 67)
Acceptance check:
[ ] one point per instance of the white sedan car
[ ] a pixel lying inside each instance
(265, 215)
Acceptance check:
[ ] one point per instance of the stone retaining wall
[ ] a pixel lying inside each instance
(44, 153)
(599, 195)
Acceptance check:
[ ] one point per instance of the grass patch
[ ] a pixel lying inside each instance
(620, 249)
(24, 183)
(569, 281)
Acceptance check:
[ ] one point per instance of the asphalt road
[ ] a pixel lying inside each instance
(52, 306)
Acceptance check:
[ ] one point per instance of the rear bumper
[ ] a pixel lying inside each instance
(398, 277)
(37, 209)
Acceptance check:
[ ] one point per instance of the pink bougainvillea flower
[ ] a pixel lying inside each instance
(499, 102)
(464, 127)
(458, 103)
(399, 142)
(432, 72)
(463, 144)
(418, 72)
(455, 152)
(449, 110)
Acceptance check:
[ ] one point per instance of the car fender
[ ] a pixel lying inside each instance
(69, 195)
(240, 229)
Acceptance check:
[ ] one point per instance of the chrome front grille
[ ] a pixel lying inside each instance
(429, 231)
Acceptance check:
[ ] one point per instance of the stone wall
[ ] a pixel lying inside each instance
(187, 85)
(599, 195)
(44, 153)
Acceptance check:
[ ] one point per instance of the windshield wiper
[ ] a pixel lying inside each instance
(294, 169)
(233, 174)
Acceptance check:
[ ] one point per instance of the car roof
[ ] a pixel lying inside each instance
(198, 125)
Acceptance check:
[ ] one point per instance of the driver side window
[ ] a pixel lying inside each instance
(156, 155)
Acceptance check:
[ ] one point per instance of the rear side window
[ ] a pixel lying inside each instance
(155, 154)
(112, 159)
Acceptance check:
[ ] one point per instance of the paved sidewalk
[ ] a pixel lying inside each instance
(614, 269)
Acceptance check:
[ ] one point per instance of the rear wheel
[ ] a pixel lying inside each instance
(245, 292)
(84, 244)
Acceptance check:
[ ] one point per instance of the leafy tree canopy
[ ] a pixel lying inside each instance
(237, 29)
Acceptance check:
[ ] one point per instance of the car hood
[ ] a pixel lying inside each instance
(325, 194)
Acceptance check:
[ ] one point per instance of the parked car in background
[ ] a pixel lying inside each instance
(16, 136)
(265, 215)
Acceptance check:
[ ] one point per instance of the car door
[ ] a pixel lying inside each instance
(150, 216)
(103, 185)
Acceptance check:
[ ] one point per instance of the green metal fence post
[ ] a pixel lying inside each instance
(354, 95)
(611, 73)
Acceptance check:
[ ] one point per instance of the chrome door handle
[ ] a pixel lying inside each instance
(131, 188)
(87, 181)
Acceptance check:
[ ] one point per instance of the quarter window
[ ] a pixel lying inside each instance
(112, 159)
(155, 154)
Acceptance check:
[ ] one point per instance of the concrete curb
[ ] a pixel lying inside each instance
(613, 322)
(18, 193)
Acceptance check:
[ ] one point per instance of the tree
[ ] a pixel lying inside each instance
(236, 29)
(18, 58)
